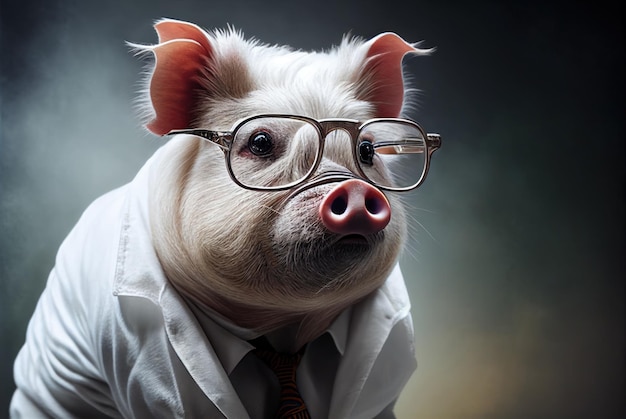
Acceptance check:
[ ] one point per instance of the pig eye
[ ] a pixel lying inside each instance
(260, 143)
(366, 152)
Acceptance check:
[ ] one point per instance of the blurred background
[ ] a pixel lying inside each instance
(516, 260)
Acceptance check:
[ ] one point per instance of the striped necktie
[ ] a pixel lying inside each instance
(291, 405)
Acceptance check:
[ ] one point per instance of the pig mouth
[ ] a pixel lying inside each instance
(352, 239)
(357, 240)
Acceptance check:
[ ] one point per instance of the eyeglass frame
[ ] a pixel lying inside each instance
(225, 139)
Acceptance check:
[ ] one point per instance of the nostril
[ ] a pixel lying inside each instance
(339, 205)
(373, 205)
(355, 207)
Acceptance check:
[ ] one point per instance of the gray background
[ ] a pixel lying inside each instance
(516, 262)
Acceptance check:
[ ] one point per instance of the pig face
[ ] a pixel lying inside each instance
(265, 259)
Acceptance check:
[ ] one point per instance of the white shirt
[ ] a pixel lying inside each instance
(111, 337)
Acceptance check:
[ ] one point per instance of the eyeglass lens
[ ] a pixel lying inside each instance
(279, 151)
(391, 153)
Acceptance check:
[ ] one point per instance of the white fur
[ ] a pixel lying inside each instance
(264, 259)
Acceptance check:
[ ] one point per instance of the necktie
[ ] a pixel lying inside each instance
(291, 405)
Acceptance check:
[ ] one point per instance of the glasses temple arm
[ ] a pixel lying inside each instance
(221, 139)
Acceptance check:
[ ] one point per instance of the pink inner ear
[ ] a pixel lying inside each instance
(173, 84)
(175, 29)
(384, 69)
(183, 50)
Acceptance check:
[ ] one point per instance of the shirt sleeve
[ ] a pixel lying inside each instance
(57, 370)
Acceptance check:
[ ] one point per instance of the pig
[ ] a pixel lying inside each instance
(270, 213)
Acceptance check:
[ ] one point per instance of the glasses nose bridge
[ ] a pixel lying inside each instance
(339, 151)
(348, 126)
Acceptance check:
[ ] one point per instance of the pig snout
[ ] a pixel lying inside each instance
(355, 207)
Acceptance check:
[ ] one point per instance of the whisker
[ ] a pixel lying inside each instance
(420, 209)
(414, 222)
(432, 237)
(327, 285)
(411, 251)
(274, 210)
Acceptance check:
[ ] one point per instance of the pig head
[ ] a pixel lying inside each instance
(273, 260)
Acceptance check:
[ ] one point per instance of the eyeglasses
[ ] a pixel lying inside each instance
(276, 152)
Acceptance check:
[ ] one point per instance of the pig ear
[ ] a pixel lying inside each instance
(382, 73)
(183, 51)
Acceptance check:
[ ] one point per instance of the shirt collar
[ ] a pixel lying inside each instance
(138, 271)
(338, 330)
(230, 341)
(229, 347)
